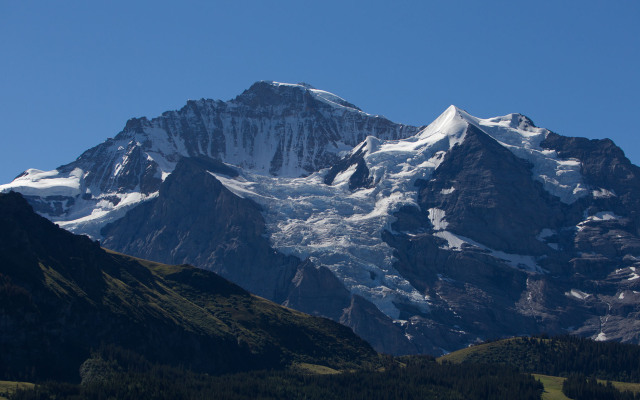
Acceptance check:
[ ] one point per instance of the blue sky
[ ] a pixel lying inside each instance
(73, 72)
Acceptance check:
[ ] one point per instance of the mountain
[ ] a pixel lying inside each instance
(422, 240)
(195, 219)
(63, 297)
(272, 128)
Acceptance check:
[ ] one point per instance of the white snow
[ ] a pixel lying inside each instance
(444, 278)
(343, 177)
(598, 217)
(90, 216)
(341, 229)
(447, 191)
(561, 178)
(34, 182)
(457, 243)
(454, 242)
(238, 186)
(600, 193)
(324, 96)
(436, 216)
(603, 216)
(334, 227)
(601, 337)
(545, 233)
(578, 294)
(519, 261)
(329, 98)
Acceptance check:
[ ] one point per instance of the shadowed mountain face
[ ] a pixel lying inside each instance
(62, 296)
(421, 240)
(487, 203)
(496, 202)
(603, 165)
(197, 220)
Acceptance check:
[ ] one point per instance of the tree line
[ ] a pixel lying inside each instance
(127, 376)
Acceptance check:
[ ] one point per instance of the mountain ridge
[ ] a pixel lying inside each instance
(63, 297)
(465, 229)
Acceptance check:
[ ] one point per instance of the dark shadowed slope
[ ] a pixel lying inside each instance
(61, 295)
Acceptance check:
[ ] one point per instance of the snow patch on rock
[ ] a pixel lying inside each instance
(436, 217)
(578, 294)
(457, 242)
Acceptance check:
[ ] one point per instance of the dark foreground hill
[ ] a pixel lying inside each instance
(414, 378)
(62, 296)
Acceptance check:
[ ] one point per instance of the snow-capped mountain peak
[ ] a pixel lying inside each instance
(451, 123)
(267, 93)
(272, 128)
(434, 228)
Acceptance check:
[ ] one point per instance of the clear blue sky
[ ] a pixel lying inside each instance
(73, 72)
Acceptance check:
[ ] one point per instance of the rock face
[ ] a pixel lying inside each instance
(196, 220)
(603, 165)
(272, 128)
(354, 167)
(421, 240)
(492, 190)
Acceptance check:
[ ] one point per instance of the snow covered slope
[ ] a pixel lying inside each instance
(342, 229)
(272, 129)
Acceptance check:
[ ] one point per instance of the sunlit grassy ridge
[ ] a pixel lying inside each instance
(7, 388)
(552, 387)
(553, 359)
(557, 356)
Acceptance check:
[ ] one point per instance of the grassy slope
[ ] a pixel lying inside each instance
(257, 322)
(7, 388)
(479, 352)
(552, 387)
(487, 352)
(622, 386)
(61, 296)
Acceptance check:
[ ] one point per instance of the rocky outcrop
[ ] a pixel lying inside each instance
(586, 251)
(317, 291)
(359, 177)
(196, 220)
(376, 328)
(495, 200)
(604, 166)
